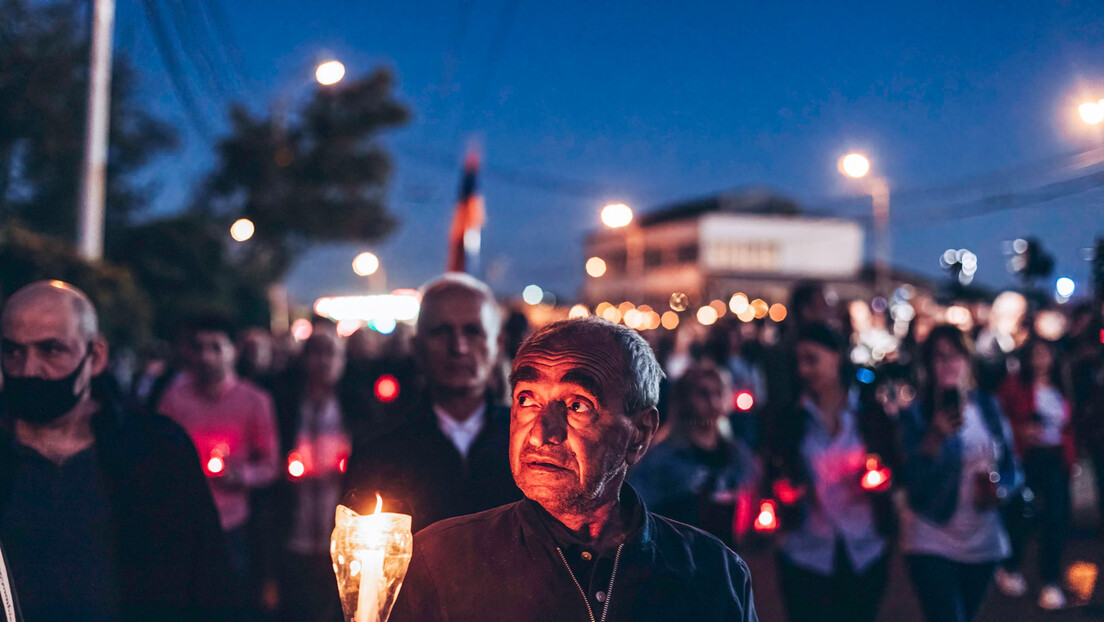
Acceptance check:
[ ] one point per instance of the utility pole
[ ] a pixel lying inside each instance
(93, 182)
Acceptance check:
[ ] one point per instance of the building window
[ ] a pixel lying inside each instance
(615, 263)
(687, 253)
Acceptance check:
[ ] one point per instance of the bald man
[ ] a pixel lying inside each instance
(102, 517)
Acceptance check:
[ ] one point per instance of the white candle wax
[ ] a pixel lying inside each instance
(371, 579)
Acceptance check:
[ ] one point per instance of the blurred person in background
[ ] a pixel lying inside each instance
(255, 353)
(809, 304)
(104, 516)
(1040, 418)
(372, 359)
(1084, 371)
(449, 456)
(727, 348)
(959, 466)
(835, 531)
(233, 426)
(697, 471)
(315, 440)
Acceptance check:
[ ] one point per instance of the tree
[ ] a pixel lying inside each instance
(123, 308)
(317, 176)
(185, 261)
(43, 86)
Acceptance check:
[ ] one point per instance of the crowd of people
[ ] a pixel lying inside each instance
(768, 436)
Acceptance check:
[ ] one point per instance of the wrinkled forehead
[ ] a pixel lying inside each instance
(597, 362)
(40, 320)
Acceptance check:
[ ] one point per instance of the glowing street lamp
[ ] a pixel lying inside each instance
(365, 264)
(854, 165)
(617, 215)
(857, 166)
(329, 73)
(1092, 112)
(242, 229)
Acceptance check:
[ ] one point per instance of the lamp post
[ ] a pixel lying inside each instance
(368, 265)
(620, 216)
(857, 166)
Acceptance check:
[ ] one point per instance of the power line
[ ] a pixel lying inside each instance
(172, 66)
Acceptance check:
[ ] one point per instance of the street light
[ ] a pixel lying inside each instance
(242, 229)
(620, 216)
(1092, 112)
(857, 166)
(365, 264)
(329, 73)
(617, 215)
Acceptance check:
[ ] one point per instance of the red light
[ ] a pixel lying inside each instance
(295, 466)
(877, 477)
(341, 465)
(744, 401)
(1102, 335)
(215, 466)
(387, 388)
(786, 492)
(767, 520)
(876, 480)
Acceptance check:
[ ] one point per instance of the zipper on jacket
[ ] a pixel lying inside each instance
(609, 590)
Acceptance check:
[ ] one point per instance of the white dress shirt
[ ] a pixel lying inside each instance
(461, 433)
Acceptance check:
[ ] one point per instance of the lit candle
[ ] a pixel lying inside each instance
(370, 555)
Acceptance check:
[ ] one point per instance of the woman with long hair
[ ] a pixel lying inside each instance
(698, 470)
(835, 526)
(1040, 417)
(959, 466)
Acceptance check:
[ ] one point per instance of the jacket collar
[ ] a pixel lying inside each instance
(540, 526)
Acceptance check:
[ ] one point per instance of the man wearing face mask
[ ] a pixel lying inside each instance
(103, 517)
(581, 545)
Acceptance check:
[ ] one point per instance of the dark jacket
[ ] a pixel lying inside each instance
(173, 561)
(418, 471)
(506, 564)
(932, 483)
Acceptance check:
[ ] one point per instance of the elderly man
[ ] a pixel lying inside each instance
(582, 545)
(449, 457)
(102, 517)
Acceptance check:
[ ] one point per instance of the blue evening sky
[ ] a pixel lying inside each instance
(578, 103)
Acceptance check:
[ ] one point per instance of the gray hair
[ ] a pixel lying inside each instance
(59, 292)
(450, 282)
(641, 370)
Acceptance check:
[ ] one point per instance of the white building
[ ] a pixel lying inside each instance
(749, 241)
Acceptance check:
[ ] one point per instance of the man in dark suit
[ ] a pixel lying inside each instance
(450, 457)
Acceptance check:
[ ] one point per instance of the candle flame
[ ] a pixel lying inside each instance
(379, 504)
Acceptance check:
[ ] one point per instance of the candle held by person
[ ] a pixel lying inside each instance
(370, 555)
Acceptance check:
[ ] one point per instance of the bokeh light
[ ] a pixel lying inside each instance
(578, 311)
(242, 229)
(679, 302)
(617, 215)
(707, 315)
(532, 294)
(329, 73)
(854, 165)
(777, 312)
(596, 267)
(670, 320)
(365, 264)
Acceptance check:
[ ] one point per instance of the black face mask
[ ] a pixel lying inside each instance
(40, 401)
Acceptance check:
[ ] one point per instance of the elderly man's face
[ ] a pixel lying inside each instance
(42, 340)
(569, 435)
(456, 340)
